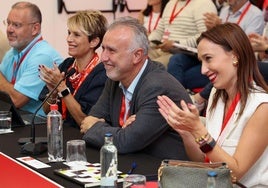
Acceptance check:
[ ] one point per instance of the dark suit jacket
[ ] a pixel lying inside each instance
(89, 91)
(150, 131)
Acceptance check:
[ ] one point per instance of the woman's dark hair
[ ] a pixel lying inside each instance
(147, 11)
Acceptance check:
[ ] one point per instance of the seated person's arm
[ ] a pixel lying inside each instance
(52, 77)
(148, 124)
(255, 131)
(259, 44)
(88, 122)
(211, 19)
(166, 105)
(73, 106)
(166, 45)
(18, 98)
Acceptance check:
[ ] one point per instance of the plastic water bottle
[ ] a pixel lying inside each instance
(211, 182)
(108, 160)
(54, 134)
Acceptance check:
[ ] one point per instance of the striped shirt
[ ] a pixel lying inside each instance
(187, 25)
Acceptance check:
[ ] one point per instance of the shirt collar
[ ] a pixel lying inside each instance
(240, 10)
(130, 90)
(27, 47)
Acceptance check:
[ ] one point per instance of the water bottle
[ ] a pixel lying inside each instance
(54, 134)
(108, 160)
(211, 181)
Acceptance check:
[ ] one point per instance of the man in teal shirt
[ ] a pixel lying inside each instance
(19, 76)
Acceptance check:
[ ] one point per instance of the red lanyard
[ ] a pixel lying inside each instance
(242, 14)
(90, 66)
(173, 14)
(123, 112)
(150, 22)
(227, 118)
(265, 4)
(87, 70)
(230, 111)
(16, 65)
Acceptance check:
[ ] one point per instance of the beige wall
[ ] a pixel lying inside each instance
(54, 25)
(4, 46)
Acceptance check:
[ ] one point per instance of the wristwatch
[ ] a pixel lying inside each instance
(64, 92)
(208, 146)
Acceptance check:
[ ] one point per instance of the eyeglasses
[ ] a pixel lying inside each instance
(16, 25)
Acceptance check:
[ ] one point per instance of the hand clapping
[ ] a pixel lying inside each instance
(184, 118)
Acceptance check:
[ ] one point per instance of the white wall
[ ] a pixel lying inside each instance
(54, 28)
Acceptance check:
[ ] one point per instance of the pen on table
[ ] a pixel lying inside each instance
(133, 167)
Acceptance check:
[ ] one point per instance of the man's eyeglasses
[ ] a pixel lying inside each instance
(16, 25)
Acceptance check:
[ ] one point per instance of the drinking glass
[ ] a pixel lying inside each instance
(5, 121)
(134, 181)
(76, 154)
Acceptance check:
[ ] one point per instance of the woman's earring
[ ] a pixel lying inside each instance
(235, 63)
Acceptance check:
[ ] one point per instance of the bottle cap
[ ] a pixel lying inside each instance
(212, 174)
(53, 107)
(108, 134)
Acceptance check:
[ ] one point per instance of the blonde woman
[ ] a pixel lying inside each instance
(78, 93)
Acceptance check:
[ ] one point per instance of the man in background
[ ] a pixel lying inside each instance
(19, 68)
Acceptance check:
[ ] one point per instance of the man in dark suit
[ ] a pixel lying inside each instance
(127, 107)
